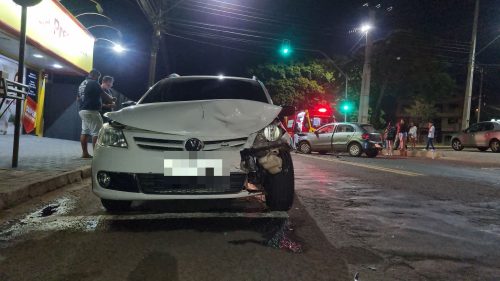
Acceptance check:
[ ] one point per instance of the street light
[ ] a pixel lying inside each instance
(117, 47)
(365, 28)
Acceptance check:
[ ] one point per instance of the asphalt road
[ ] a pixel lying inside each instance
(386, 219)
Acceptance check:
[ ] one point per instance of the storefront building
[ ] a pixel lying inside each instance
(57, 44)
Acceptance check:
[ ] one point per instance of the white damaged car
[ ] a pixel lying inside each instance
(195, 137)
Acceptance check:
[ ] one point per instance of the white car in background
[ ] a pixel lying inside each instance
(195, 137)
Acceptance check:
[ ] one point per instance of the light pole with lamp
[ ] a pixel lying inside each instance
(20, 74)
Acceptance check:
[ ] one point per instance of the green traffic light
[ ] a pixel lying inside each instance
(346, 107)
(285, 48)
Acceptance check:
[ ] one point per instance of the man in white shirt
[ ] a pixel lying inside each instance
(413, 135)
(430, 136)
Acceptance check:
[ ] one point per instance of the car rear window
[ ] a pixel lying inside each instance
(179, 89)
(368, 129)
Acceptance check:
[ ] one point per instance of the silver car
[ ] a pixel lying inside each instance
(354, 138)
(482, 135)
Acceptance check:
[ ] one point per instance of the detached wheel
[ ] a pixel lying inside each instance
(355, 149)
(280, 187)
(483, 148)
(456, 144)
(305, 147)
(116, 205)
(372, 153)
(495, 146)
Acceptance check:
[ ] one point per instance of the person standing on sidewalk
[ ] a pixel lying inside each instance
(90, 96)
(390, 133)
(413, 135)
(430, 136)
(106, 85)
(402, 136)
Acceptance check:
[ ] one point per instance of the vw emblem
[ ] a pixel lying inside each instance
(194, 145)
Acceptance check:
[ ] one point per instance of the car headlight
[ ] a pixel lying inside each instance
(272, 132)
(109, 136)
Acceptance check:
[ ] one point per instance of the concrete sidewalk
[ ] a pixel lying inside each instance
(45, 164)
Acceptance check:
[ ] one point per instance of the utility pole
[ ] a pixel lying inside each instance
(481, 71)
(155, 45)
(364, 98)
(470, 72)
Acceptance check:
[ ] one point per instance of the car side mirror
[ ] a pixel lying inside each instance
(128, 103)
(316, 133)
(287, 110)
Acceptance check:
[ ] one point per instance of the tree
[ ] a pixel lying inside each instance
(297, 83)
(422, 111)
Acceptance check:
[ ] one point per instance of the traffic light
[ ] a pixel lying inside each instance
(346, 107)
(285, 50)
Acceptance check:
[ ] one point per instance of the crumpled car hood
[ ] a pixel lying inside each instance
(208, 118)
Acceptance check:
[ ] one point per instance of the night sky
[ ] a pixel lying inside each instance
(229, 36)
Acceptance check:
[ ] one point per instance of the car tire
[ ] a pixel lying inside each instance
(116, 205)
(483, 148)
(355, 149)
(305, 147)
(456, 144)
(372, 153)
(280, 188)
(495, 146)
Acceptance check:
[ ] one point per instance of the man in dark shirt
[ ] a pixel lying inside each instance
(90, 96)
(106, 85)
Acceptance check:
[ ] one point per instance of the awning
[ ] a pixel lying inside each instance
(57, 41)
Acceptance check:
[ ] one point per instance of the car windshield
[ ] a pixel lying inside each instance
(204, 89)
(368, 128)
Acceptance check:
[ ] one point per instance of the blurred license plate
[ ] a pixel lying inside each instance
(196, 163)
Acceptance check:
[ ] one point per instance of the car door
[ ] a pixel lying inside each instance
(323, 138)
(470, 135)
(342, 136)
(480, 138)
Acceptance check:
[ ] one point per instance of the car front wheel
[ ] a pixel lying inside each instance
(355, 149)
(116, 205)
(305, 147)
(456, 144)
(495, 146)
(280, 187)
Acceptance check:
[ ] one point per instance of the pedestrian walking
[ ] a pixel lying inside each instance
(402, 130)
(390, 133)
(413, 135)
(89, 98)
(430, 136)
(296, 131)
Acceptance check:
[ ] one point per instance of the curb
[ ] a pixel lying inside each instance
(35, 189)
(417, 153)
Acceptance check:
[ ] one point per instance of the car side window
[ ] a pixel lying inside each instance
(325, 130)
(488, 127)
(344, 129)
(474, 128)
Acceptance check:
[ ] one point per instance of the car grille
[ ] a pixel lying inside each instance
(178, 145)
(159, 144)
(160, 184)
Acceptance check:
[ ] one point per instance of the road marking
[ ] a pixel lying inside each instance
(373, 167)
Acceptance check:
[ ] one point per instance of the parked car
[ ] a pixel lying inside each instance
(195, 137)
(482, 135)
(354, 138)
